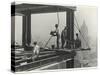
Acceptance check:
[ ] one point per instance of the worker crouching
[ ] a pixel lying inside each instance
(36, 51)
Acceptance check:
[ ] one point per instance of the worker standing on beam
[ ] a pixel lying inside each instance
(64, 36)
(56, 33)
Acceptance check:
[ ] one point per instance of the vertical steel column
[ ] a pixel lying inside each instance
(70, 35)
(26, 36)
(70, 25)
(24, 32)
(29, 29)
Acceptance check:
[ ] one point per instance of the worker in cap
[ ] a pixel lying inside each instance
(57, 34)
(77, 41)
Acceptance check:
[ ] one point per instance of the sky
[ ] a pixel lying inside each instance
(42, 24)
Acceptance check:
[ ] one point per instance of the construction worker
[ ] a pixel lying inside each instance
(57, 34)
(64, 36)
(77, 41)
(36, 51)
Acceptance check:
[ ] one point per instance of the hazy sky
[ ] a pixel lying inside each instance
(42, 24)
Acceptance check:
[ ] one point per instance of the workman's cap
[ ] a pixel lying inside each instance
(76, 34)
(56, 25)
(35, 42)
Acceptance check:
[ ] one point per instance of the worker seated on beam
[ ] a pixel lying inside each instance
(36, 51)
(56, 33)
(77, 41)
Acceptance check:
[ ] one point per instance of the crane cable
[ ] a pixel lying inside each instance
(58, 15)
(77, 26)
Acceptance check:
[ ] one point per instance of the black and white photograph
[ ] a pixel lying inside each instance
(53, 37)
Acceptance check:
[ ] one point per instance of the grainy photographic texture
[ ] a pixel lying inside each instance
(51, 37)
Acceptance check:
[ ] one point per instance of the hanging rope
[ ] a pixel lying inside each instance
(58, 15)
(48, 41)
(80, 32)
